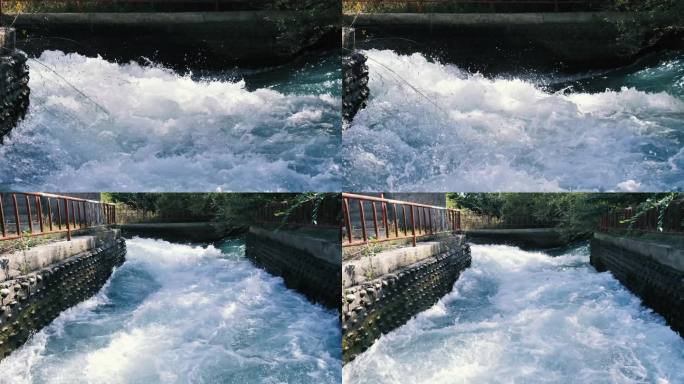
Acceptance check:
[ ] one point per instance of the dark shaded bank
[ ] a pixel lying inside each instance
(211, 40)
(652, 269)
(200, 232)
(309, 261)
(493, 43)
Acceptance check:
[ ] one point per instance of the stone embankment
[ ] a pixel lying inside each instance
(383, 291)
(45, 280)
(308, 261)
(14, 79)
(651, 268)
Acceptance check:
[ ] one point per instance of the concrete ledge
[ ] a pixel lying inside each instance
(566, 40)
(646, 268)
(485, 19)
(326, 250)
(662, 253)
(214, 40)
(47, 254)
(306, 263)
(370, 267)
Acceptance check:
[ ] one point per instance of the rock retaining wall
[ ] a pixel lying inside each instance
(354, 85)
(14, 79)
(313, 275)
(659, 285)
(32, 301)
(378, 306)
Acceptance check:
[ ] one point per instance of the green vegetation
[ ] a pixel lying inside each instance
(239, 208)
(576, 214)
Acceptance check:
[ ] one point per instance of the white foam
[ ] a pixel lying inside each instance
(466, 132)
(166, 132)
(206, 316)
(526, 317)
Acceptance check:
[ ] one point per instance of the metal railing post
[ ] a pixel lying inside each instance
(66, 212)
(413, 227)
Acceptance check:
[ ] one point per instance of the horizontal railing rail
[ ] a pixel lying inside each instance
(128, 215)
(390, 219)
(618, 220)
(483, 5)
(35, 214)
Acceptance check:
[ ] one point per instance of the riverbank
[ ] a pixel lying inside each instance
(570, 41)
(206, 40)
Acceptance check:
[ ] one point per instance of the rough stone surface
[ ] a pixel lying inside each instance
(355, 89)
(378, 306)
(660, 286)
(14, 79)
(32, 301)
(311, 274)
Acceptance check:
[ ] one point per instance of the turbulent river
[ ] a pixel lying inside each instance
(528, 317)
(99, 125)
(184, 314)
(434, 126)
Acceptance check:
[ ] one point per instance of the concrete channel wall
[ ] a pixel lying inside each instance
(525, 237)
(652, 270)
(307, 263)
(14, 79)
(197, 39)
(383, 291)
(59, 276)
(576, 39)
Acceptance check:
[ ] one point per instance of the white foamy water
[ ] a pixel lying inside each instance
(163, 131)
(184, 314)
(466, 132)
(527, 317)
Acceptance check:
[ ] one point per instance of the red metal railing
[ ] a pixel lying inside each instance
(649, 222)
(489, 5)
(397, 220)
(36, 214)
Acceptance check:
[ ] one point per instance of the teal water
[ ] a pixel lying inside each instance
(185, 314)
(528, 317)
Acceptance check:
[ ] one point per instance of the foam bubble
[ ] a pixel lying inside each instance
(526, 317)
(163, 131)
(178, 314)
(470, 133)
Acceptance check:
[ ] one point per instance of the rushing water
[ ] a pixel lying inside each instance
(528, 317)
(433, 126)
(184, 314)
(98, 125)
